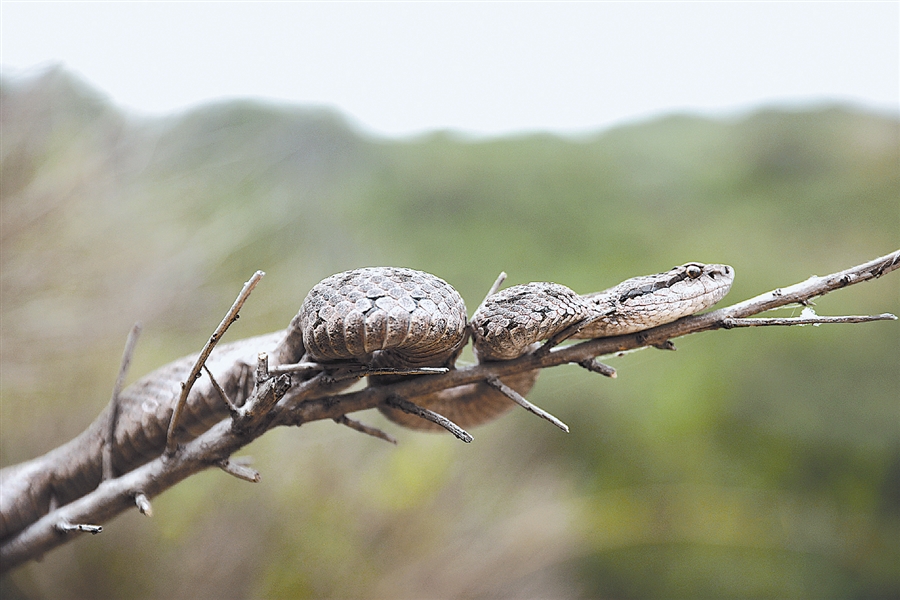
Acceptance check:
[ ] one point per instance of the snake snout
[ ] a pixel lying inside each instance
(724, 269)
(718, 272)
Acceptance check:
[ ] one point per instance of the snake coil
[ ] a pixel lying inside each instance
(397, 317)
(379, 317)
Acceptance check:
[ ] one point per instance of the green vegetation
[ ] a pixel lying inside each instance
(750, 463)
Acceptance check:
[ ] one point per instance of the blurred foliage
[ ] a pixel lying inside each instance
(751, 463)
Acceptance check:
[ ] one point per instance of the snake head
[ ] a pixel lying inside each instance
(650, 300)
(715, 278)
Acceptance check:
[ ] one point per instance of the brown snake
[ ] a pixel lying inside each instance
(378, 318)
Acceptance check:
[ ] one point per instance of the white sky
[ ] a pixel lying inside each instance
(483, 68)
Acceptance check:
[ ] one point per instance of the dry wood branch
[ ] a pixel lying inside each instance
(495, 287)
(423, 413)
(595, 366)
(220, 392)
(127, 354)
(301, 368)
(362, 428)
(765, 322)
(262, 367)
(65, 527)
(115, 496)
(143, 504)
(240, 470)
(256, 410)
(516, 397)
(315, 399)
(230, 317)
(359, 373)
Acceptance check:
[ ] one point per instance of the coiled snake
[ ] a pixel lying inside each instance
(376, 318)
(395, 317)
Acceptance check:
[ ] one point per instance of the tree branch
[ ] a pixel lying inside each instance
(114, 496)
(109, 439)
(273, 404)
(761, 322)
(230, 317)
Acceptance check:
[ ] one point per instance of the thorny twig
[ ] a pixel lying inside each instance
(312, 401)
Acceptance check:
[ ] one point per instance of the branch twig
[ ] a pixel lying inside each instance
(232, 409)
(108, 441)
(516, 397)
(66, 527)
(240, 470)
(363, 428)
(230, 317)
(143, 504)
(729, 323)
(408, 407)
(115, 496)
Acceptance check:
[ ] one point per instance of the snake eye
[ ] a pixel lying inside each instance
(694, 271)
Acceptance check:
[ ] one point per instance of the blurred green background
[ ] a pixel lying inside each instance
(757, 463)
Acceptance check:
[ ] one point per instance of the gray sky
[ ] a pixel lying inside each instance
(484, 68)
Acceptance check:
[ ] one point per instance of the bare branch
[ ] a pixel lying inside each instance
(301, 368)
(764, 322)
(64, 527)
(230, 317)
(814, 287)
(130, 343)
(143, 504)
(413, 409)
(256, 410)
(368, 430)
(262, 367)
(595, 366)
(240, 470)
(116, 496)
(516, 397)
(358, 372)
(494, 289)
(220, 392)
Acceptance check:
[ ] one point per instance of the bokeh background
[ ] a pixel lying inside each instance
(758, 463)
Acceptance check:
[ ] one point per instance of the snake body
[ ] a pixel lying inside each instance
(516, 317)
(385, 316)
(376, 317)
(388, 316)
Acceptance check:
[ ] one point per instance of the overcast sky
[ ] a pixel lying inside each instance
(484, 68)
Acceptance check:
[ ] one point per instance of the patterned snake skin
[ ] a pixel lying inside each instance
(398, 317)
(381, 317)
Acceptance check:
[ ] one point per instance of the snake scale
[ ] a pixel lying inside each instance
(379, 317)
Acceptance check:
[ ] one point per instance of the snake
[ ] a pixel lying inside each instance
(375, 318)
